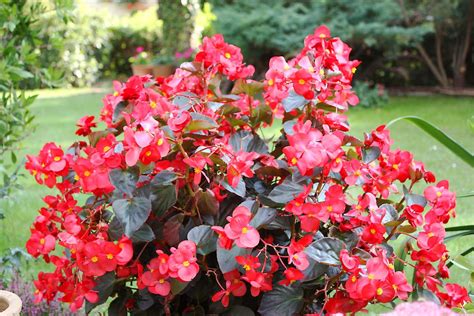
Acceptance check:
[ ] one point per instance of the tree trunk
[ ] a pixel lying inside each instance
(460, 55)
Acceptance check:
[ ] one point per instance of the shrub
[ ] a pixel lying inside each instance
(78, 49)
(188, 209)
(19, 65)
(370, 96)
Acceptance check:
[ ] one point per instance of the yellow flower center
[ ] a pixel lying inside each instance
(197, 170)
(354, 278)
(391, 266)
(354, 69)
(87, 173)
(286, 67)
(42, 241)
(373, 231)
(395, 166)
(379, 291)
(160, 142)
(245, 230)
(321, 71)
(106, 149)
(322, 35)
(295, 257)
(161, 281)
(153, 104)
(227, 55)
(94, 259)
(116, 93)
(57, 158)
(270, 82)
(358, 173)
(311, 69)
(371, 276)
(301, 81)
(76, 177)
(246, 267)
(329, 208)
(438, 194)
(186, 264)
(294, 160)
(110, 256)
(148, 153)
(430, 234)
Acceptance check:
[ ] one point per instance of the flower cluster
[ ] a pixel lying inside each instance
(180, 265)
(184, 197)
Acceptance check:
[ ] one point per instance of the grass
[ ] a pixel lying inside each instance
(57, 111)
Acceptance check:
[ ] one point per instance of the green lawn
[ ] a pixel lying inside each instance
(57, 111)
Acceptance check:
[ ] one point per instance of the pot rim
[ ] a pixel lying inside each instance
(13, 302)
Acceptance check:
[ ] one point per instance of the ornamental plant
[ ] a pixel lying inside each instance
(182, 205)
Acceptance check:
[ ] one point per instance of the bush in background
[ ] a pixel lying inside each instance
(370, 95)
(77, 49)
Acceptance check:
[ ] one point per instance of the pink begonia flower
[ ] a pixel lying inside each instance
(239, 229)
(182, 262)
(420, 309)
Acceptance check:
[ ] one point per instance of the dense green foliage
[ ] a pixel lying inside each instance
(78, 48)
(20, 64)
(396, 41)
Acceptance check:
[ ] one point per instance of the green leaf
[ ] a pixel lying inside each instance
(104, 287)
(248, 87)
(20, 73)
(264, 216)
(262, 113)
(132, 213)
(282, 301)
(124, 180)
(294, 101)
(370, 154)
(163, 192)
(119, 108)
(325, 250)
(238, 310)
(463, 263)
(200, 122)
(206, 202)
(390, 213)
(285, 192)
(240, 189)
(177, 286)
(172, 229)
(204, 238)
(143, 234)
(246, 141)
(226, 258)
(401, 251)
(460, 228)
(314, 270)
(164, 177)
(440, 136)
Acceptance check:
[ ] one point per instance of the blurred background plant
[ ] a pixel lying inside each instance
(21, 50)
(141, 57)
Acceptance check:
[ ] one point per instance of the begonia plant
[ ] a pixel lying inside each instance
(187, 203)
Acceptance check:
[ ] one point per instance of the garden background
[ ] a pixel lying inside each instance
(417, 59)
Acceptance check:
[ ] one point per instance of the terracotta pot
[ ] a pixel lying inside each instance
(163, 70)
(141, 70)
(10, 304)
